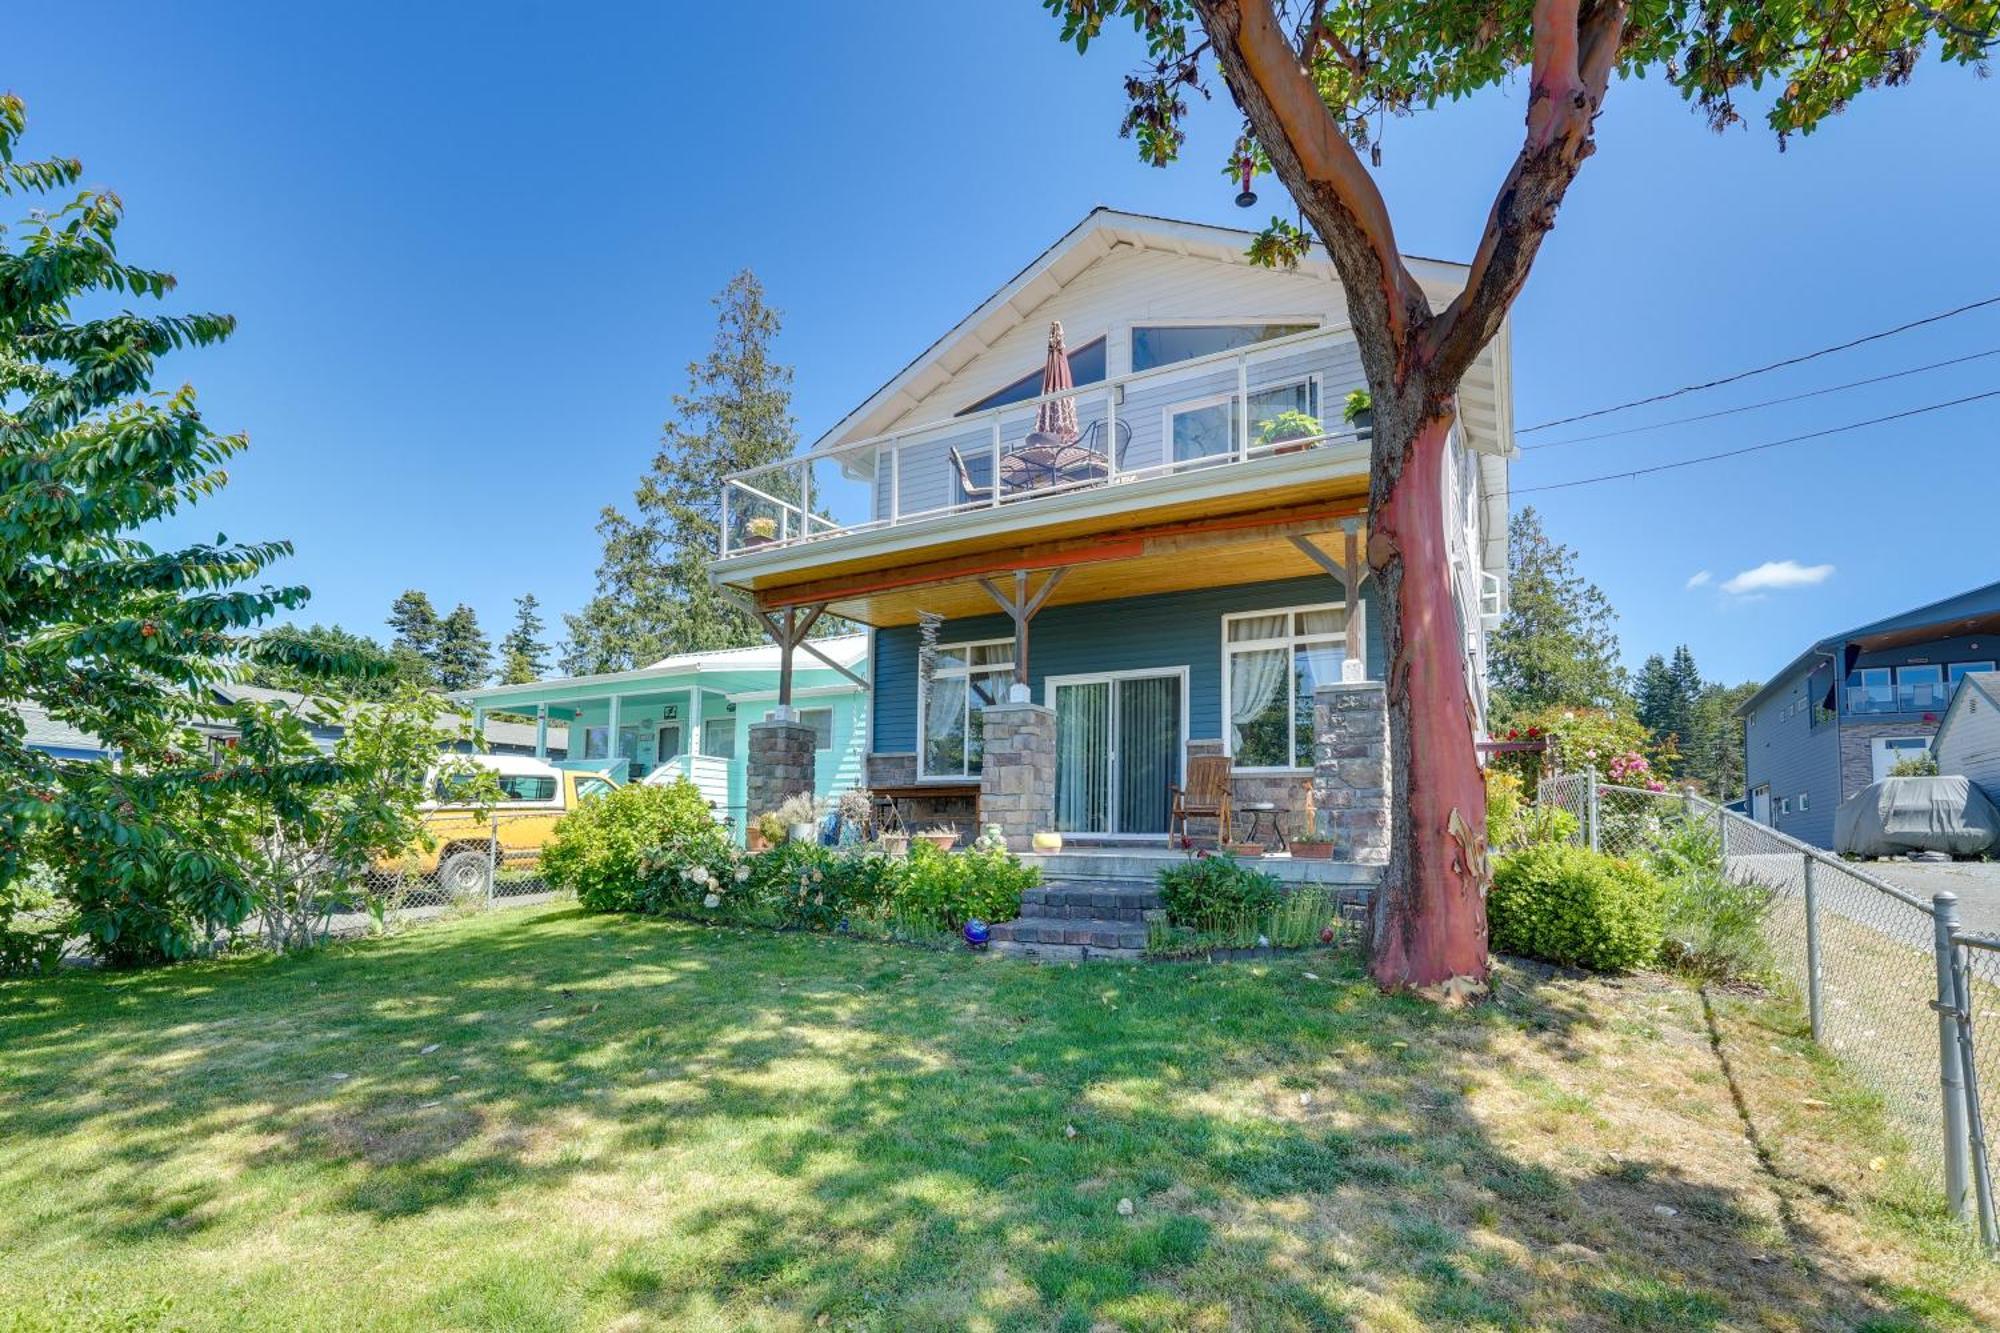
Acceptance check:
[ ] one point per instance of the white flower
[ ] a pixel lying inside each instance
(742, 874)
(713, 901)
(699, 874)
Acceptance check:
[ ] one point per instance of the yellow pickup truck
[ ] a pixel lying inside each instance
(534, 797)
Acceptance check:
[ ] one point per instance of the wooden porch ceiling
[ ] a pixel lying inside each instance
(1214, 551)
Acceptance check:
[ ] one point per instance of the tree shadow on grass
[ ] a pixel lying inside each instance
(890, 1138)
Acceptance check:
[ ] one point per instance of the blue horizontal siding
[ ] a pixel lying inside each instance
(1168, 630)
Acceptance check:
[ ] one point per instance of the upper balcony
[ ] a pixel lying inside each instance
(1240, 422)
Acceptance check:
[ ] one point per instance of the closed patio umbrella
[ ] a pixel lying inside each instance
(1058, 417)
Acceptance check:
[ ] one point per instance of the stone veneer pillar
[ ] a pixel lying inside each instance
(1017, 771)
(1351, 769)
(780, 765)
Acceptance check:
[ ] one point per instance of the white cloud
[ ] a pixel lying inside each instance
(1700, 579)
(1776, 574)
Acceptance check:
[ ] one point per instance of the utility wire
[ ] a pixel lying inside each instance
(1755, 448)
(1768, 402)
(1761, 370)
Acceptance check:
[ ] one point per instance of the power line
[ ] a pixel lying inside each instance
(1761, 370)
(1755, 448)
(1768, 402)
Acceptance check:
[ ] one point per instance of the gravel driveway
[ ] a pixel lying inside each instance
(1977, 884)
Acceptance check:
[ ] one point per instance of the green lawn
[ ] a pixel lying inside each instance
(547, 1120)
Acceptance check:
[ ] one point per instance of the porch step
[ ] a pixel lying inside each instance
(1092, 900)
(1071, 939)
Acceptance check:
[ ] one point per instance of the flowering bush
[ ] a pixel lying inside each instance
(946, 889)
(643, 849)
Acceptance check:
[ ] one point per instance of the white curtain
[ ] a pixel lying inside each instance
(944, 725)
(1254, 681)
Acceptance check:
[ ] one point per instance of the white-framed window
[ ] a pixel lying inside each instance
(1163, 344)
(821, 721)
(1205, 428)
(1871, 690)
(966, 678)
(1784, 805)
(1892, 750)
(596, 739)
(718, 737)
(1920, 687)
(1805, 801)
(1272, 662)
(1958, 671)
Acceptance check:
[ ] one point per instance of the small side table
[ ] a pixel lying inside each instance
(1262, 812)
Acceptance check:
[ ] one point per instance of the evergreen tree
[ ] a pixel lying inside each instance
(414, 627)
(464, 657)
(1557, 646)
(1712, 755)
(1653, 693)
(653, 596)
(523, 655)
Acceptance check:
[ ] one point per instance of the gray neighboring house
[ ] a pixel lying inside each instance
(59, 740)
(1843, 712)
(1967, 744)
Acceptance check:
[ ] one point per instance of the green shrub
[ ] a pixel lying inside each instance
(1714, 926)
(641, 849)
(31, 933)
(946, 889)
(1215, 892)
(1573, 906)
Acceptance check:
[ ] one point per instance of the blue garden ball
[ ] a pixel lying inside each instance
(977, 935)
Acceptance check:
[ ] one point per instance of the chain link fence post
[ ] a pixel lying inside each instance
(492, 858)
(1951, 1072)
(1975, 1115)
(1814, 1000)
(1590, 807)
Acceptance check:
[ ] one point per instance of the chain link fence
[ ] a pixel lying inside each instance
(476, 866)
(1912, 1007)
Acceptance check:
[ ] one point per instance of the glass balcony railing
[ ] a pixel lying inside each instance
(1278, 397)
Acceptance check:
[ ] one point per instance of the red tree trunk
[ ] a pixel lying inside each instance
(1430, 916)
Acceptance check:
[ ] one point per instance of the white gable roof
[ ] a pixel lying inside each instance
(1018, 312)
(846, 649)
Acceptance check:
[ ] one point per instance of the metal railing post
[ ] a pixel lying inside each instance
(1951, 1072)
(1813, 1001)
(1243, 405)
(996, 459)
(1590, 807)
(805, 500)
(895, 480)
(1975, 1120)
(727, 487)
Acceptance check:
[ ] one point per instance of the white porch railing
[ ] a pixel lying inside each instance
(1228, 409)
(709, 774)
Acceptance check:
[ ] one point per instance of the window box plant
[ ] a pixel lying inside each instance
(1359, 412)
(1312, 844)
(940, 837)
(759, 531)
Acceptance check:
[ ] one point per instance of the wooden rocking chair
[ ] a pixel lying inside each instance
(1206, 796)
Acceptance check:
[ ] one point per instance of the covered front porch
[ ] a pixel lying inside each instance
(633, 730)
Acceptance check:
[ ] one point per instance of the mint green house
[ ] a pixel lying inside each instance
(689, 716)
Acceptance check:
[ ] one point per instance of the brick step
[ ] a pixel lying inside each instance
(1068, 900)
(1101, 936)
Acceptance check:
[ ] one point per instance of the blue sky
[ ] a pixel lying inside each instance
(472, 250)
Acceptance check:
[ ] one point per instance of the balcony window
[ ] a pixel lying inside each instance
(1920, 688)
(1276, 660)
(1159, 345)
(1958, 671)
(1871, 690)
(1206, 427)
(1086, 366)
(967, 677)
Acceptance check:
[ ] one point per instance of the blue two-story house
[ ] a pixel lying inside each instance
(1843, 712)
(1136, 458)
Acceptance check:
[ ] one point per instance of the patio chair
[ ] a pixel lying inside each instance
(1206, 796)
(969, 491)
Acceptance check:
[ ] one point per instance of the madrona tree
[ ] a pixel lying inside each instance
(1313, 79)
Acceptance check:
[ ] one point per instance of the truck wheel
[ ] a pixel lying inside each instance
(465, 874)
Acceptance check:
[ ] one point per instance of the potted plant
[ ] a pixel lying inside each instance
(1289, 432)
(940, 837)
(800, 815)
(765, 832)
(1247, 850)
(1312, 844)
(1048, 841)
(895, 844)
(1359, 412)
(758, 531)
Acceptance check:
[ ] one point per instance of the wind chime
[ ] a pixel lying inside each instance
(1246, 167)
(928, 624)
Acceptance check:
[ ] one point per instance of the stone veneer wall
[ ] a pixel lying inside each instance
(780, 765)
(1287, 791)
(1351, 769)
(891, 770)
(1017, 779)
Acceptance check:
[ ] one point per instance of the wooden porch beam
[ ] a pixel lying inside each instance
(1021, 608)
(1164, 539)
(808, 646)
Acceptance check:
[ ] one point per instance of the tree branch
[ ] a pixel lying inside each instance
(1323, 173)
(1573, 60)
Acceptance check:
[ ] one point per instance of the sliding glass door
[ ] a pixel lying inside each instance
(1118, 748)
